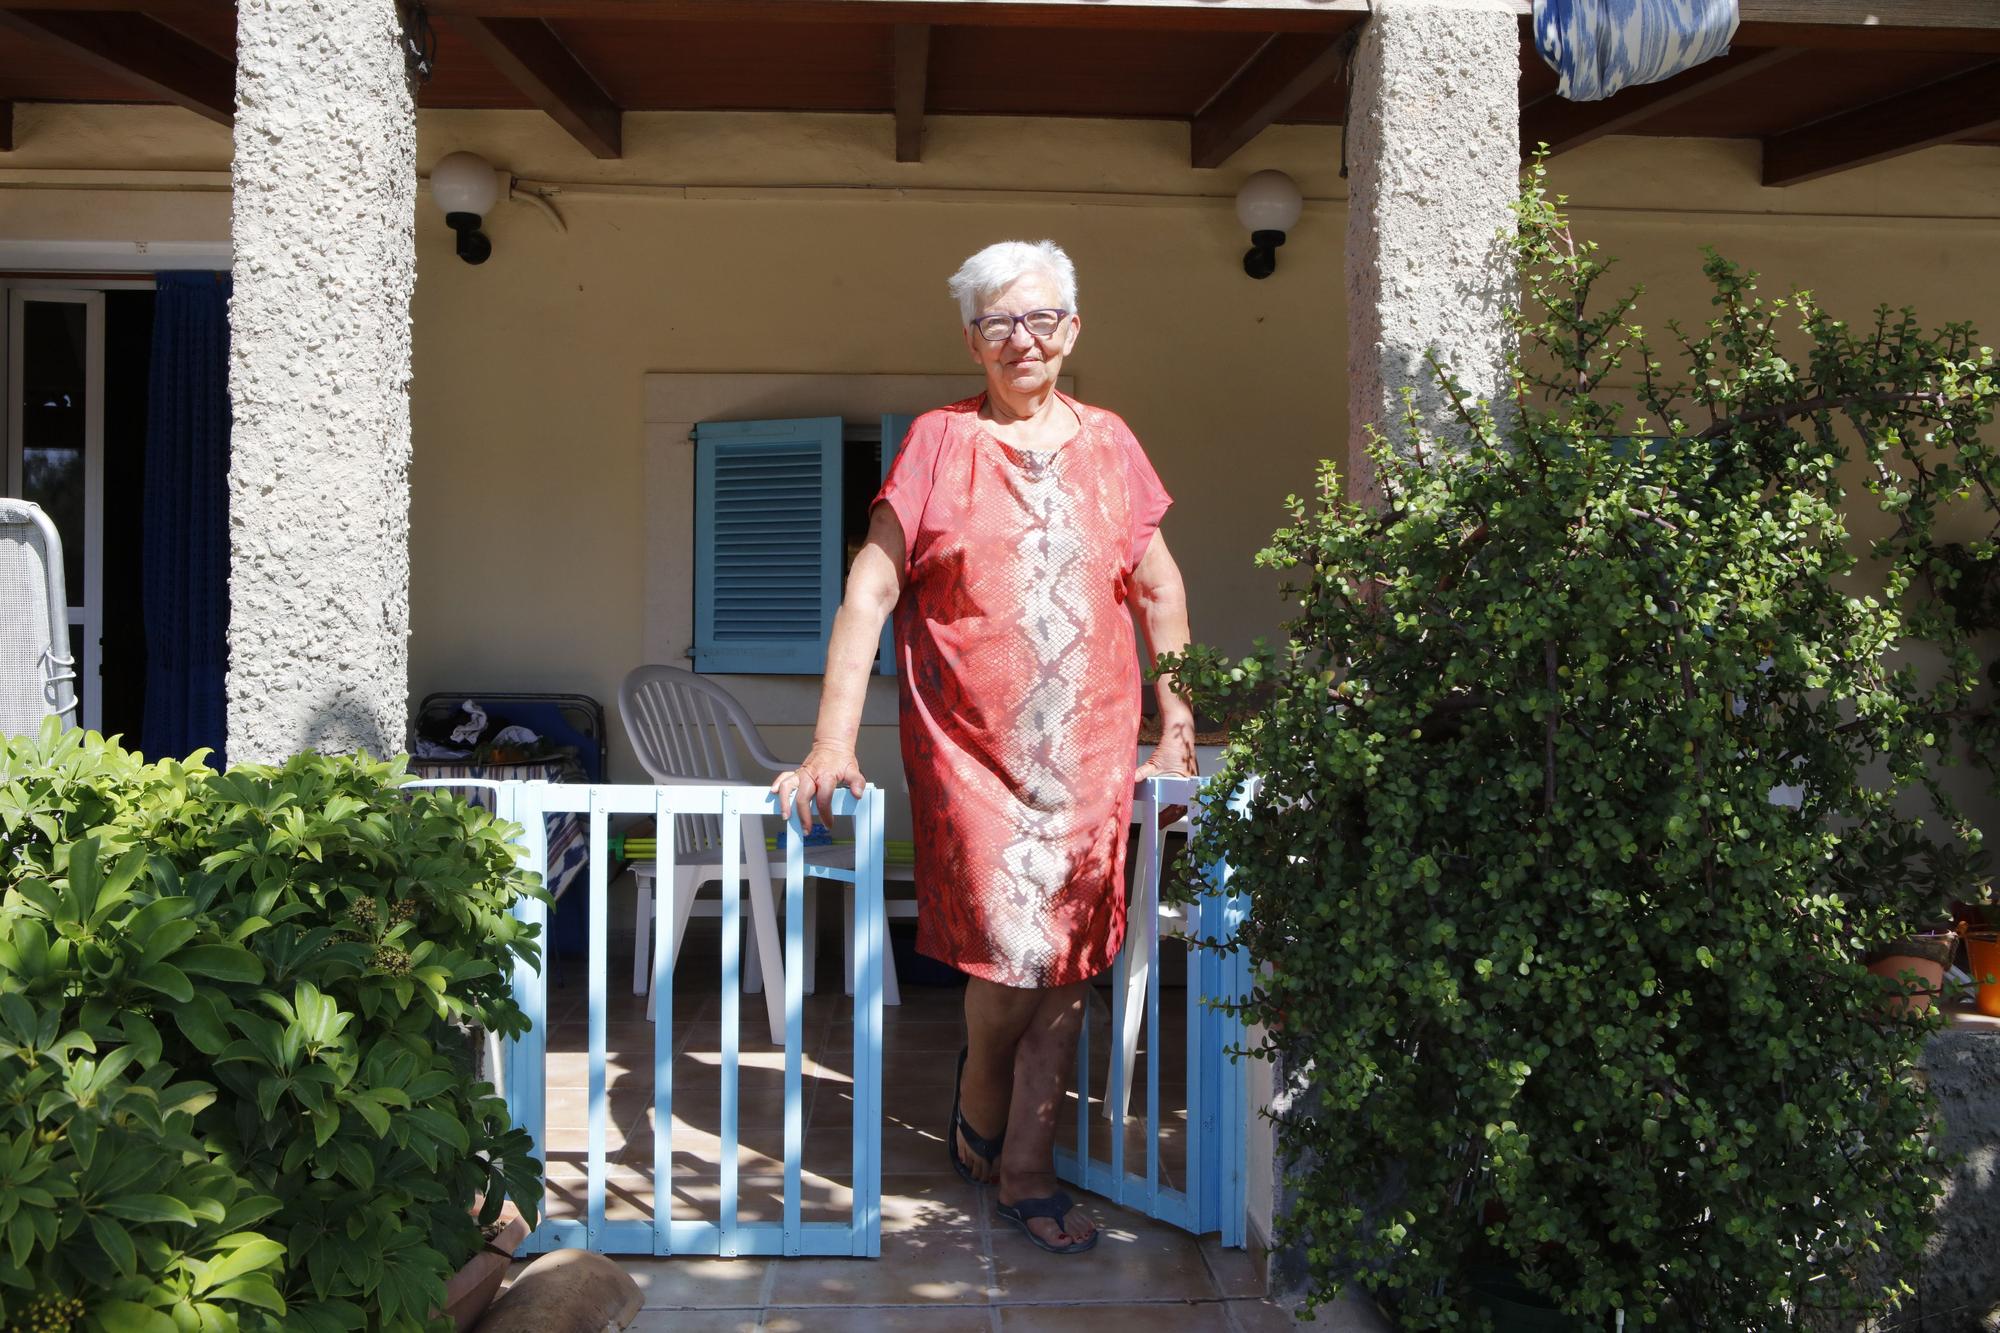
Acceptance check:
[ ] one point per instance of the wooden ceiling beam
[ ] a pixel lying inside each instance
(1937, 25)
(913, 71)
(535, 60)
(1562, 124)
(141, 51)
(1874, 13)
(1953, 108)
(1855, 37)
(1288, 67)
(1149, 15)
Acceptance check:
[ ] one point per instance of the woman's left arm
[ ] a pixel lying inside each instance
(1161, 597)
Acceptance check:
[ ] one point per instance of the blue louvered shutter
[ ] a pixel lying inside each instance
(766, 544)
(895, 425)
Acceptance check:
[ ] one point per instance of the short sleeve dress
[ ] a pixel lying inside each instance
(1020, 688)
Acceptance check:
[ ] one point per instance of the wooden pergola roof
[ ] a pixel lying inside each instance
(1824, 84)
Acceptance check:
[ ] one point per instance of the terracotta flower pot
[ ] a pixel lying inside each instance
(1982, 955)
(1926, 955)
(474, 1286)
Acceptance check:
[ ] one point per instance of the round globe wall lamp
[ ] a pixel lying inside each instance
(466, 187)
(1268, 203)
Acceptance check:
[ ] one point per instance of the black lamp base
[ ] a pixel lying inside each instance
(473, 247)
(1261, 260)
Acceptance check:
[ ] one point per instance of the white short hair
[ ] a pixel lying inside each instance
(986, 274)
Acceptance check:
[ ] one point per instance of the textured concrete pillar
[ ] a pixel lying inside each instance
(1433, 159)
(323, 222)
(1433, 152)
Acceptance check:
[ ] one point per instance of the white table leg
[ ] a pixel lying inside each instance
(687, 883)
(812, 935)
(764, 921)
(847, 933)
(642, 929)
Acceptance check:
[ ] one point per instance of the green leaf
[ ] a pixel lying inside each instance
(198, 1018)
(256, 1291)
(371, 1111)
(116, 1243)
(245, 1254)
(143, 1036)
(160, 943)
(224, 962)
(439, 1126)
(126, 1317)
(148, 1208)
(167, 979)
(144, 923)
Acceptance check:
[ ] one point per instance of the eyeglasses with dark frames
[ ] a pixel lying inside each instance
(999, 328)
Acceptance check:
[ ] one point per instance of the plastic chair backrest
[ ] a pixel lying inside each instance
(681, 726)
(37, 672)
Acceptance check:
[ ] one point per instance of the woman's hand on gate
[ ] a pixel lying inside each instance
(1168, 761)
(1172, 757)
(827, 769)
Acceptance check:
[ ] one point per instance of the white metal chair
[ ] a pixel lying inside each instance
(686, 728)
(37, 671)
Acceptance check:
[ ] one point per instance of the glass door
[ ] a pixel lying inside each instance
(55, 452)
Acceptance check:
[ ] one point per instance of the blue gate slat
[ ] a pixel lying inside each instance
(732, 990)
(795, 1001)
(1155, 1036)
(874, 939)
(664, 915)
(599, 947)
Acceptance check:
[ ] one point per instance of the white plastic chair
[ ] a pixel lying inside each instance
(686, 728)
(37, 672)
(1142, 933)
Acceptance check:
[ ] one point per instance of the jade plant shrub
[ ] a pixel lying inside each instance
(1940, 491)
(236, 1082)
(1587, 771)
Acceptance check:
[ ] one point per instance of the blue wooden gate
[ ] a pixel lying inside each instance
(524, 1062)
(1209, 1194)
(1204, 1194)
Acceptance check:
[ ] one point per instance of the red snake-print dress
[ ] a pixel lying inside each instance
(1020, 688)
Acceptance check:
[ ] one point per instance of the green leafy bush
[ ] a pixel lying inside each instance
(1569, 991)
(236, 1086)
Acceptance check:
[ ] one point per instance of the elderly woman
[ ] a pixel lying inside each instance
(1013, 537)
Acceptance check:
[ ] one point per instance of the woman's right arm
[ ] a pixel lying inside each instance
(873, 585)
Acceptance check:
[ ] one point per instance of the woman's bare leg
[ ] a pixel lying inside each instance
(995, 1018)
(1043, 1064)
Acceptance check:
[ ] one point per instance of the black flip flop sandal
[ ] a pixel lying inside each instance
(1055, 1207)
(987, 1149)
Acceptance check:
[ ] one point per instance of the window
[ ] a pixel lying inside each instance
(781, 508)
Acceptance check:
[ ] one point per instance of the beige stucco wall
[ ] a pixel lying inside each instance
(795, 244)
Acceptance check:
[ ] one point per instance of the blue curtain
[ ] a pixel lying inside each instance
(1600, 46)
(185, 541)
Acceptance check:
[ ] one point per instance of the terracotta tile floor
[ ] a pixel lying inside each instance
(947, 1263)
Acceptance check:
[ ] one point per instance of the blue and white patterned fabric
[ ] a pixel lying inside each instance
(1600, 46)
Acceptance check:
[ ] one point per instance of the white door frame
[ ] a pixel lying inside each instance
(85, 612)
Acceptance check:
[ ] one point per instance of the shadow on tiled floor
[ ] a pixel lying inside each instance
(945, 1264)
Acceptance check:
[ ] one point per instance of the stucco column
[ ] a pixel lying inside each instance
(1433, 152)
(323, 221)
(1433, 159)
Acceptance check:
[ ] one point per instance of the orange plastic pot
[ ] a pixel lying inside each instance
(1982, 955)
